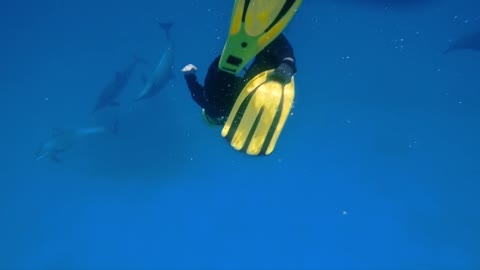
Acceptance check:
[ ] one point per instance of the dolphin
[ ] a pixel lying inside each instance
(109, 94)
(61, 141)
(163, 71)
(466, 42)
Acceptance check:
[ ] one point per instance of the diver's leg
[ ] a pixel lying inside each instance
(279, 52)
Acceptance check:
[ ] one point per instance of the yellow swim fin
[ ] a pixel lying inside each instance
(259, 114)
(254, 24)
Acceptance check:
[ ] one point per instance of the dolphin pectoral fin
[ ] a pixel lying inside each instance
(114, 127)
(55, 159)
(144, 79)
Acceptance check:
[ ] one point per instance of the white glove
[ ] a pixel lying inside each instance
(189, 69)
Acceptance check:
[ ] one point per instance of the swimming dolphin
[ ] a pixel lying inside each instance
(466, 42)
(164, 70)
(109, 94)
(62, 141)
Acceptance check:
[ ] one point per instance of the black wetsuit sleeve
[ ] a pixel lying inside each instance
(196, 89)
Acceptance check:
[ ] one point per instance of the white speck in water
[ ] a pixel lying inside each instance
(46, 99)
(344, 212)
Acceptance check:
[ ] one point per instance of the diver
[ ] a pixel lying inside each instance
(221, 89)
(252, 107)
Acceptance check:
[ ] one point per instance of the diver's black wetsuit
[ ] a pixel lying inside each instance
(221, 89)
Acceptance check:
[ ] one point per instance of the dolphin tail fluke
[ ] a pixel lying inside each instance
(114, 127)
(166, 26)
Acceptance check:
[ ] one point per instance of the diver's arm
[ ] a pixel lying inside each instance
(196, 89)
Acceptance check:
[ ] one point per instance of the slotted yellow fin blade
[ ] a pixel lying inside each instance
(259, 115)
(254, 24)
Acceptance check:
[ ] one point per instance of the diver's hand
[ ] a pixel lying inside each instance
(189, 69)
(283, 73)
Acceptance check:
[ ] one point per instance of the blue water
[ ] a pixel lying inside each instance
(377, 168)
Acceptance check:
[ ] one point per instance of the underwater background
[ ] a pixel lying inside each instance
(376, 168)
